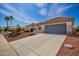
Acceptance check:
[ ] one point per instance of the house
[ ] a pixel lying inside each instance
(14, 28)
(58, 25)
(33, 28)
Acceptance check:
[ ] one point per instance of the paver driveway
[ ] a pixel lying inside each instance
(40, 44)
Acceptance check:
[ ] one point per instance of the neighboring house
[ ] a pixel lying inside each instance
(15, 27)
(58, 25)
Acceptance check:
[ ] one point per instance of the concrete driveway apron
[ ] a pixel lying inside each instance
(39, 45)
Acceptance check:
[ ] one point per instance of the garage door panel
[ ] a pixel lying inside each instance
(56, 29)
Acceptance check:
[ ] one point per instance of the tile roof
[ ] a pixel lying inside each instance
(54, 20)
(60, 19)
(57, 20)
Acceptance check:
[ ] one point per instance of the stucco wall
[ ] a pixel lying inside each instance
(43, 27)
(68, 26)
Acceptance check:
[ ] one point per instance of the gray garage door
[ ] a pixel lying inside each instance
(56, 29)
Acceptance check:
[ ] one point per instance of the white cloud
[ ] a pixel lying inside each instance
(18, 14)
(7, 14)
(43, 12)
(8, 6)
(4, 12)
(40, 5)
(26, 18)
(54, 10)
(57, 10)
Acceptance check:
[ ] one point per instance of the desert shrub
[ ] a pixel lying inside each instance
(1, 29)
(18, 29)
(77, 29)
(5, 30)
(26, 31)
(32, 29)
(39, 28)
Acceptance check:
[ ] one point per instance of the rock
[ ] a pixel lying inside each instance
(68, 46)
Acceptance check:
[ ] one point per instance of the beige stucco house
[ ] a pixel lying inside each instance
(58, 25)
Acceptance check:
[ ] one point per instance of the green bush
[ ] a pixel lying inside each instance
(77, 28)
(26, 31)
(0, 29)
(18, 30)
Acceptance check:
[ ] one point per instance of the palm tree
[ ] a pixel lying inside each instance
(11, 18)
(7, 19)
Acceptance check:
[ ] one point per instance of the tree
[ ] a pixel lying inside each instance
(0, 29)
(11, 18)
(7, 19)
(18, 29)
(77, 29)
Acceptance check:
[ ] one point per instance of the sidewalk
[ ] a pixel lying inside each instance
(5, 49)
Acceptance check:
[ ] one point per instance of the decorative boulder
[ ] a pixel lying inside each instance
(68, 46)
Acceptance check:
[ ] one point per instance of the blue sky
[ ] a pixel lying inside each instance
(27, 13)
